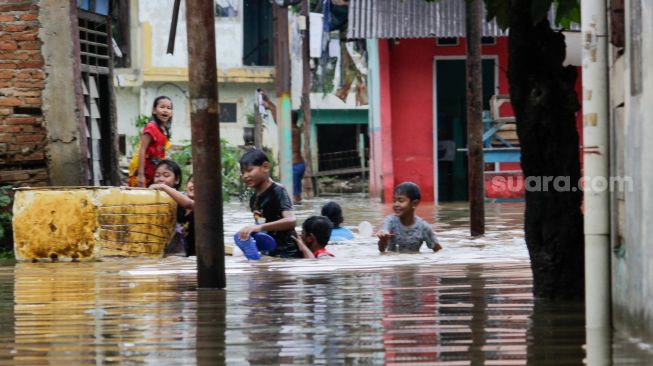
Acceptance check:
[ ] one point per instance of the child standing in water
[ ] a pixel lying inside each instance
(271, 203)
(167, 178)
(315, 235)
(154, 142)
(333, 212)
(404, 231)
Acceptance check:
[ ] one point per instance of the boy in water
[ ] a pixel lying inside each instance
(316, 231)
(270, 203)
(403, 231)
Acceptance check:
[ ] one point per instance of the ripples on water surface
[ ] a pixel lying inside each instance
(468, 304)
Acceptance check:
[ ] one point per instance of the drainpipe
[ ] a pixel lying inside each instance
(596, 164)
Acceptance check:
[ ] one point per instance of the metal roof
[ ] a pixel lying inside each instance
(411, 19)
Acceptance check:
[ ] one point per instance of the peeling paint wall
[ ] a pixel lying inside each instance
(632, 260)
(61, 92)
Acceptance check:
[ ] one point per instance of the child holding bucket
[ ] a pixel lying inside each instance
(272, 209)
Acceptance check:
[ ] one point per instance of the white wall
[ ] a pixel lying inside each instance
(131, 104)
(135, 97)
(229, 34)
(633, 271)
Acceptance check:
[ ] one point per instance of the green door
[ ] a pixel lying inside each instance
(452, 123)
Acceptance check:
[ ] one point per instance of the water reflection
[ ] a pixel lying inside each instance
(469, 305)
(211, 327)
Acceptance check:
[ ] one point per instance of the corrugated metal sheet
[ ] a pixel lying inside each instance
(411, 19)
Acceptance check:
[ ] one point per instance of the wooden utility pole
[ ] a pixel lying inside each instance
(282, 84)
(475, 166)
(306, 96)
(205, 137)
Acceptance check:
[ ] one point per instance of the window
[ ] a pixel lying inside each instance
(228, 112)
(258, 47)
(447, 41)
(94, 6)
(226, 8)
(488, 40)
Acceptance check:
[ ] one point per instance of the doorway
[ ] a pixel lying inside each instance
(451, 123)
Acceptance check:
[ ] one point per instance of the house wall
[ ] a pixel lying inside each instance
(153, 72)
(409, 76)
(406, 108)
(632, 259)
(39, 125)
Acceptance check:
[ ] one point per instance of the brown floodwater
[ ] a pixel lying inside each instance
(469, 304)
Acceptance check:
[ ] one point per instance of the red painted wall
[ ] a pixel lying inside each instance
(411, 82)
(411, 104)
(406, 74)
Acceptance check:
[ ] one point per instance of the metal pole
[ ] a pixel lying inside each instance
(205, 135)
(282, 84)
(173, 27)
(474, 11)
(595, 157)
(306, 91)
(258, 126)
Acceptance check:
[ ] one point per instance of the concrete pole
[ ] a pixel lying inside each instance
(205, 138)
(475, 166)
(282, 83)
(258, 125)
(596, 163)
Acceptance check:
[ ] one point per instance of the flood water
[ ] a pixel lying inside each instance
(469, 304)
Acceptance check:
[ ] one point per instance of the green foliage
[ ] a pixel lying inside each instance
(230, 166)
(251, 119)
(230, 170)
(568, 11)
(140, 122)
(6, 253)
(5, 216)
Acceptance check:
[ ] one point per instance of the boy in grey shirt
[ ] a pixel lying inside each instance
(403, 231)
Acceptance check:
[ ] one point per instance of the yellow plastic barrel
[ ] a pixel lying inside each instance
(90, 223)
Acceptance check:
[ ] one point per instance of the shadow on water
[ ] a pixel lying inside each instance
(470, 304)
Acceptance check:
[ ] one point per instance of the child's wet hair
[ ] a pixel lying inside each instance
(320, 227)
(254, 157)
(333, 212)
(408, 189)
(174, 168)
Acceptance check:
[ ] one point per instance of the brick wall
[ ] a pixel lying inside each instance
(22, 132)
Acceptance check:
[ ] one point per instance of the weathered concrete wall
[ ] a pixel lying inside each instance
(153, 72)
(240, 93)
(22, 128)
(61, 93)
(633, 263)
